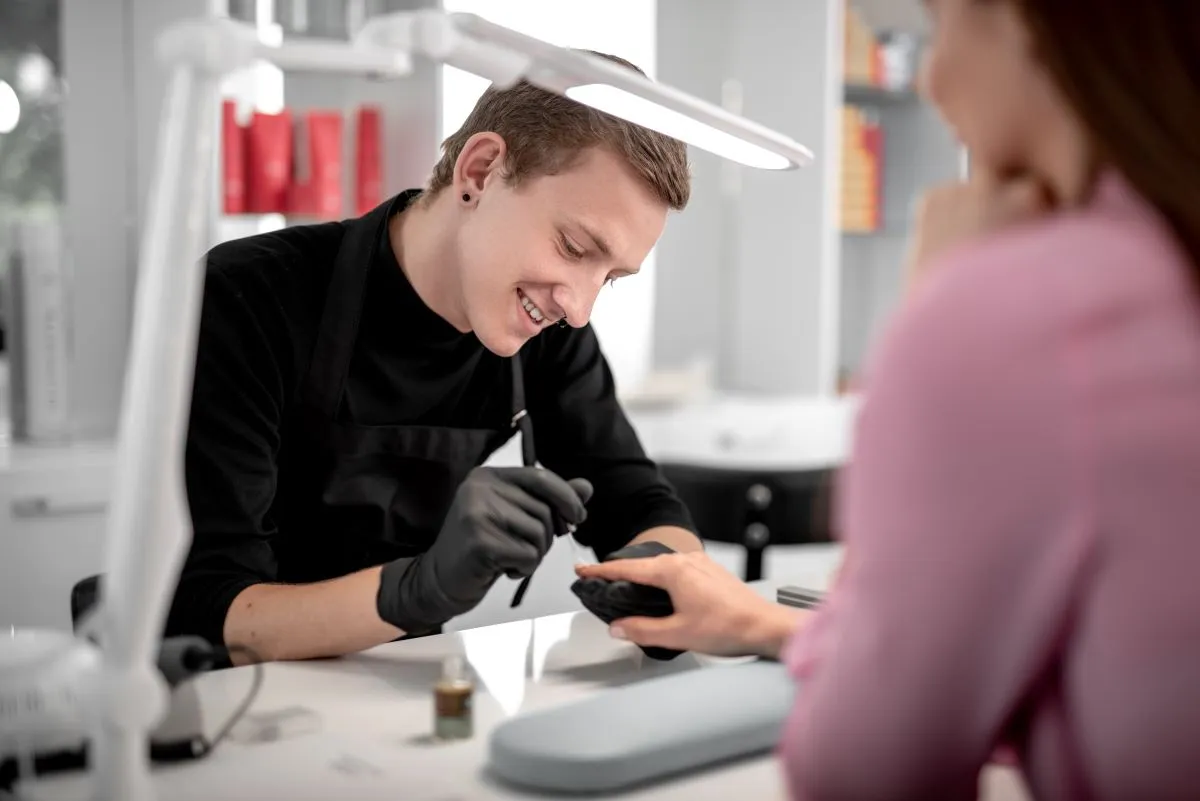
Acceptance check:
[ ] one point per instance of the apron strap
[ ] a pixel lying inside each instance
(520, 419)
(334, 347)
(338, 331)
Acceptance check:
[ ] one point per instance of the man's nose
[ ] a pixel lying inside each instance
(576, 301)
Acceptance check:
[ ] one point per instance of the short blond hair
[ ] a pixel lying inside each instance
(545, 133)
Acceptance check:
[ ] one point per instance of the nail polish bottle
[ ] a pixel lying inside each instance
(453, 697)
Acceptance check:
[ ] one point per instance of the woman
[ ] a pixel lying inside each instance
(1021, 508)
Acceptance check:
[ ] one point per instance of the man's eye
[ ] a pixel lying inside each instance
(569, 249)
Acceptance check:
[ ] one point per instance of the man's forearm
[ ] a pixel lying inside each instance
(674, 537)
(308, 621)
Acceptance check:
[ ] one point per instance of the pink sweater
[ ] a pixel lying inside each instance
(1022, 518)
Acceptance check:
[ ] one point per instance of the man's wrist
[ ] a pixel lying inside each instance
(408, 600)
(641, 550)
(674, 537)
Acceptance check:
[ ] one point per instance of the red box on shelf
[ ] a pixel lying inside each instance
(873, 142)
(316, 186)
(269, 163)
(368, 160)
(233, 160)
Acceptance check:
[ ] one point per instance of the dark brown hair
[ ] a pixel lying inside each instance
(545, 132)
(1131, 71)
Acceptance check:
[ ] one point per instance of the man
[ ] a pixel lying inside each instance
(352, 376)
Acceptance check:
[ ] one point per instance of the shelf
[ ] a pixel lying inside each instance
(864, 93)
(890, 231)
(291, 217)
(882, 233)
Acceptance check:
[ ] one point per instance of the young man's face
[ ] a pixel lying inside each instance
(540, 251)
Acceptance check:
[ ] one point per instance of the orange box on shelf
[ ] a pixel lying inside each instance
(862, 171)
(860, 49)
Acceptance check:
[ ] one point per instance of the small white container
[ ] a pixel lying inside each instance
(900, 55)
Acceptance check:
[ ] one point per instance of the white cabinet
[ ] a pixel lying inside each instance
(53, 502)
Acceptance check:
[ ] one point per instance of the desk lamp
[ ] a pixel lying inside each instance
(122, 694)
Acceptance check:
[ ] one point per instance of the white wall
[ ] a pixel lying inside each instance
(624, 315)
(750, 274)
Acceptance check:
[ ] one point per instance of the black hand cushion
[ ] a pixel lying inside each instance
(613, 600)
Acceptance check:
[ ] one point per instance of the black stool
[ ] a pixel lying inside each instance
(755, 508)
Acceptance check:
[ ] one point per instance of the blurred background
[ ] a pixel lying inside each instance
(737, 351)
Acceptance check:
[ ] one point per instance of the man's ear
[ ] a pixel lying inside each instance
(482, 158)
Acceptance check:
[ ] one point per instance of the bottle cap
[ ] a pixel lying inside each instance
(454, 670)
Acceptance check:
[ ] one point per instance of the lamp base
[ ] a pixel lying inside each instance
(44, 675)
(49, 705)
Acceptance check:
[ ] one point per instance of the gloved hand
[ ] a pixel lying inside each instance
(502, 522)
(613, 600)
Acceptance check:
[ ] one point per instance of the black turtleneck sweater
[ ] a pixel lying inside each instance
(263, 300)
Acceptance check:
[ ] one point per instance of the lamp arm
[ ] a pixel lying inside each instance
(148, 527)
(438, 37)
(148, 524)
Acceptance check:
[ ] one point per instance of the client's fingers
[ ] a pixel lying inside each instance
(1022, 200)
(664, 632)
(656, 571)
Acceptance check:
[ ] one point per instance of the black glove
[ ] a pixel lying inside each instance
(502, 522)
(613, 600)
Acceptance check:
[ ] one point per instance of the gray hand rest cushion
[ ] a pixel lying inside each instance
(646, 731)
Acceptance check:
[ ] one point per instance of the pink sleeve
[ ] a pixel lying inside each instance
(965, 551)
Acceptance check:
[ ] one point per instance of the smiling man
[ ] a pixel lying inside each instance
(352, 377)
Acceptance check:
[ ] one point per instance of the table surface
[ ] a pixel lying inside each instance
(370, 719)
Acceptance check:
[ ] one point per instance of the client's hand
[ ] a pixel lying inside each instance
(613, 600)
(954, 213)
(715, 612)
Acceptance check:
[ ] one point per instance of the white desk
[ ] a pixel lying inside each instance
(733, 431)
(754, 432)
(52, 513)
(374, 712)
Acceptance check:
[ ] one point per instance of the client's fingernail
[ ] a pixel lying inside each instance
(617, 632)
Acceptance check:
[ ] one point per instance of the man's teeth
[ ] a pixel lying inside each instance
(532, 310)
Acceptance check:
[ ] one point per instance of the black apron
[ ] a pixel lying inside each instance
(353, 496)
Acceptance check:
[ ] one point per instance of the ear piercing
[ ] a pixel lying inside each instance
(562, 323)
(466, 197)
